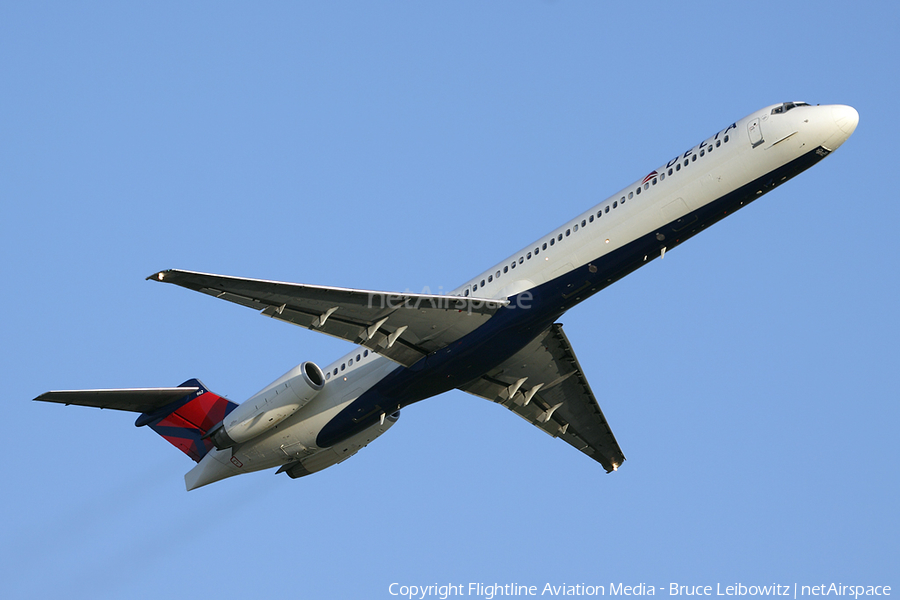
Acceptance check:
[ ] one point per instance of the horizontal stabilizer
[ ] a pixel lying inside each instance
(142, 400)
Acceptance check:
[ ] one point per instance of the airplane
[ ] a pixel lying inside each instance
(496, 336)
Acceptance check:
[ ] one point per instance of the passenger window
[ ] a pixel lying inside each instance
(568, 232)
(365, 352)
(670, 172)
(497, 275)
(328, 375)
(343, 366)
(591, 220)
(506, 269)
(646, 185)
(552, 241)
(512, 266)
(726, 139)
(490, 278)
(615, 204)
(528, 256)
(718, 143)
(703, 153)
(536, 250)
(575, 228)
(350, 363)
(357, 358)
(654, 181)
(583, 222)
(687, 162)
(467, 291)
(521, 260)
(559, 238)
(482, 283)
(474, 286)
(545, 245)
(694, 158)
(607, 209)
(335, 370)
(662, 176)
(630, 195)
(678, 167)
(637, 191)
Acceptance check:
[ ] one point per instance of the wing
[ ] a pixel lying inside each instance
(401, 326)
(544, 384)
(142, 400)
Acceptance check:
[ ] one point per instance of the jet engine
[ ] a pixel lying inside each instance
(269, 407)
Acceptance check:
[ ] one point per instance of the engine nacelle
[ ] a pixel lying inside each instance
(269, 407)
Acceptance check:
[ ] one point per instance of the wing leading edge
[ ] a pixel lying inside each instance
(401, 326)
(544, 384)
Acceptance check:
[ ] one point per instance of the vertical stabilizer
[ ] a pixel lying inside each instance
(184, 422)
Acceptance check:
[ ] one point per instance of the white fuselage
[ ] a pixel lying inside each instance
(741, 154)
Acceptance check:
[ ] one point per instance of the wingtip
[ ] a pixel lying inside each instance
(158, 276)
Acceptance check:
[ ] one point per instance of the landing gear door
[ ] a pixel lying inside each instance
(755, 131)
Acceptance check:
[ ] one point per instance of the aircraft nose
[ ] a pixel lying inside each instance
(846, 118)
(843, 123)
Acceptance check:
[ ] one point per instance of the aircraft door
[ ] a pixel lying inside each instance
(755, 131)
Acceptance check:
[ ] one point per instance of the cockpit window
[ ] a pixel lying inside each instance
(787, 106)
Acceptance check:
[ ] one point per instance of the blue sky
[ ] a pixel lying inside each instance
(750, 377)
